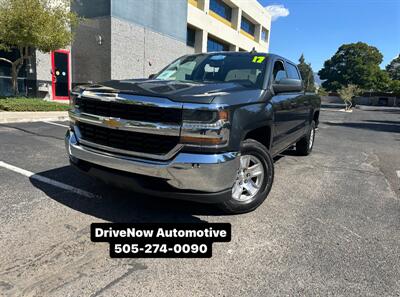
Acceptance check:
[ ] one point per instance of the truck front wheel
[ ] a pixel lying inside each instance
(254, 178)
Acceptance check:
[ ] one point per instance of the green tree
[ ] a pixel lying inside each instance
(393, 68)
(322, 92)
(355, 63)
(307, 74)
(382, 81)
(347, 93)
(26, 25)
(394, 87)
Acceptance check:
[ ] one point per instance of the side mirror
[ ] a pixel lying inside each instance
(287, 85)
(151, 76)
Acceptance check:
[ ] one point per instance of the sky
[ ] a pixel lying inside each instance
(318, 27)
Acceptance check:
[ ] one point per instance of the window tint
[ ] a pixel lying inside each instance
(264, 35)
(244, 75)
(247, 26)
(292, 71)
(216, 46)
(279, 71)
(242, 69)
(221, 9)
(190, 36)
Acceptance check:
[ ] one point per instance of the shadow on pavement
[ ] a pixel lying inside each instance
(117, 205)
(385, 122)
(383, 126)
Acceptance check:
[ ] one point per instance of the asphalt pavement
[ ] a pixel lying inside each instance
(330, 226)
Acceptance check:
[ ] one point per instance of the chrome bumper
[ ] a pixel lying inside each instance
(199, 172)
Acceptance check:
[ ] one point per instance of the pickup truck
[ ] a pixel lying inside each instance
(205, 128)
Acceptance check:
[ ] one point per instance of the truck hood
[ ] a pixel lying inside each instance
(190, 92)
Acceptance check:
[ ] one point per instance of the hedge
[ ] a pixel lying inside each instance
(30, 104)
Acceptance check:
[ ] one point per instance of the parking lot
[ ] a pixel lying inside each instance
(330, 226)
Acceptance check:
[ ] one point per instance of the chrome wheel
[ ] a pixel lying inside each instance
(249, 179)
(311, 140)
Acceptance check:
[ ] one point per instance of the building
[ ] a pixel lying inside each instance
(121, 39)
(235, 25)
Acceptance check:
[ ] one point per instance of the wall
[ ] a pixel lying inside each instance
(91, 61)
(90, 8)
(135, 35)
(137, 51)
(167, 17)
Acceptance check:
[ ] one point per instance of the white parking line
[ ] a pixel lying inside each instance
(398, 173)
(55, 124)
(331, 109)
(46, 180)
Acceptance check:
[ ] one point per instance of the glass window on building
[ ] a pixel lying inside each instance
(221, 9)
(216, 46)
(5, 74)
(264, 35)
(247, 26)
(190, 36)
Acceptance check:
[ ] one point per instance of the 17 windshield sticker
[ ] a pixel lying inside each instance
(258, 59)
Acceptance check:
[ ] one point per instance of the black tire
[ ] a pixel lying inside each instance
(252, 147)
(305, 145)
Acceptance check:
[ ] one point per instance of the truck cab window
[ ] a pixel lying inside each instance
(279, 71)
(292, 71)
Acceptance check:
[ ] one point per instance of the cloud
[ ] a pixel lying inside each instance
(276, 11)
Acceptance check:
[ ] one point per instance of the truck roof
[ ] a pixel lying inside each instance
(275, 56)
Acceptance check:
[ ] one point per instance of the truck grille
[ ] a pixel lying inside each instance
(129, 111)
(126, 140)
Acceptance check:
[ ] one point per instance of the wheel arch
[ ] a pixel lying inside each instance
(262, 134)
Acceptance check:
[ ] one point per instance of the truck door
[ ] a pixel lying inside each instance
(300, 104)
(60, 74)
(284, 110)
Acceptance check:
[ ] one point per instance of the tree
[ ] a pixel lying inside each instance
(393, 68)
(355, 63)
(307, 74)
(347, 94)
(25, 25)
(394, 87)
(322, 92)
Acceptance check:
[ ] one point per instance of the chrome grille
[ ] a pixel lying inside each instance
(126, 140)
(129, 111)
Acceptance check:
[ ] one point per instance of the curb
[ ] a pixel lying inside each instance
(378, 108)
(32, 116)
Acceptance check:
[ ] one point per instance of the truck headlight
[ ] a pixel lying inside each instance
(205, 128)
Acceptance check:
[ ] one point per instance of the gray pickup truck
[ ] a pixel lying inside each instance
(205, 128)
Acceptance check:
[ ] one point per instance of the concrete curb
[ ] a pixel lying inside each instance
(378, 108)
(32, 116)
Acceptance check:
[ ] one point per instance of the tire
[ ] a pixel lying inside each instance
(259, 158)
(305, 145)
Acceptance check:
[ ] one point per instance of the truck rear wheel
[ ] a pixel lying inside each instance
(305, 145)
(254, 179)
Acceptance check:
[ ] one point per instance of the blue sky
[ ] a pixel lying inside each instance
(318, 27)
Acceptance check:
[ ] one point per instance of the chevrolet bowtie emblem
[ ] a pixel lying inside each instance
(112, 123)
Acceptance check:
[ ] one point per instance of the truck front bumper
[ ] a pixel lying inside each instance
(194, 174)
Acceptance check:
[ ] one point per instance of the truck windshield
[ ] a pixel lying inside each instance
(245, 69)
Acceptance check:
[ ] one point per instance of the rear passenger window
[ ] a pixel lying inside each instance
(292, 71)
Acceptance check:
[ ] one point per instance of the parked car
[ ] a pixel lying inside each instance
(205, 128)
